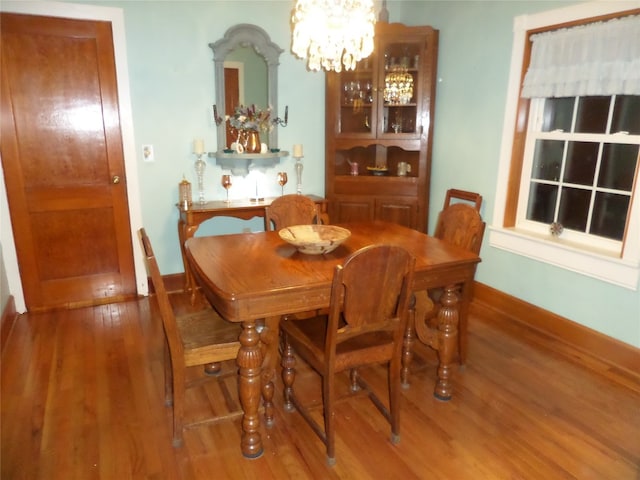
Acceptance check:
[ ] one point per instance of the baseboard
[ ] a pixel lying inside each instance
(173, 283)
(607, 349)
(7, 321)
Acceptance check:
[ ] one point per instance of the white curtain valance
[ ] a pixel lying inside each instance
(600, 58)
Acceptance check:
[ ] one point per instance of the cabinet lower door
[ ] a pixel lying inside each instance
(351, 209)
(348, 208)
(397, 210)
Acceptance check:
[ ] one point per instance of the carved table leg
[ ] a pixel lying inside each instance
(250, 367)
(407, 346)
(447, 341)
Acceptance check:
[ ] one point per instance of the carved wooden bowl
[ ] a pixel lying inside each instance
(314, 239)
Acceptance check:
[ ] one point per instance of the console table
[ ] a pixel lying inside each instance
(195, 214)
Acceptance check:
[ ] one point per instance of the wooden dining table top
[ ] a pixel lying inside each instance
(254, 275)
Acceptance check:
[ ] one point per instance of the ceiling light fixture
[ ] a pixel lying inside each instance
(333, 33)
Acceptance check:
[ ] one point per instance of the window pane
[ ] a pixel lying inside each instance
(626, 114)
(592, 114)
(542, 202)
(557, 114)
(547, 160)
(609, 215)
(618, 166)
(581, 163)
(574, 208)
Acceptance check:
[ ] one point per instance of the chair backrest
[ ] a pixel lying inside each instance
(460, 224)
(169, 324)
(290, 210)
(454, 193)
(370, 293)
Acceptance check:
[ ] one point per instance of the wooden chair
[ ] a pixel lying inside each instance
(370, 297)
(294, 209)
(289, 210)
(462, 195)
(459, 224)
(194, 339)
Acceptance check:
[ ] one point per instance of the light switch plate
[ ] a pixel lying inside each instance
(147, 153)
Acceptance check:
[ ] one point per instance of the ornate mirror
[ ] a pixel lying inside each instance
(250, 48)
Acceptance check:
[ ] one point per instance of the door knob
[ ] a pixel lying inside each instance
(115, 180)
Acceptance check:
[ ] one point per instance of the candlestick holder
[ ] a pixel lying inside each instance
(257, 197)
(200, 167)
(298, 166)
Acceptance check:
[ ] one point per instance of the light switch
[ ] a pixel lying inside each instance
(147, 153)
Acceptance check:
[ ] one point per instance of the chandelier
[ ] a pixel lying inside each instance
(333, 33)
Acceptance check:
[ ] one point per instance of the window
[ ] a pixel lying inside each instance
(580, 161)
(571, 148)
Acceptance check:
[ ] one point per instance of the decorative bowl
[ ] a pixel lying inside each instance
(378, 171)
(314, 239)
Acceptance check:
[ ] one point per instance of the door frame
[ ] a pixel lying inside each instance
(116, 17)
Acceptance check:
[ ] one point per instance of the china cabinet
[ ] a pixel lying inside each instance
(379, 125)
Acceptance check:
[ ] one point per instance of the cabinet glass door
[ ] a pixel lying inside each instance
(357, 116)
(400, 81)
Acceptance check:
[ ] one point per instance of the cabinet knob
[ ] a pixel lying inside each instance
(115, 180)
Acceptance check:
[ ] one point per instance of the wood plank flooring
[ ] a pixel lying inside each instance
(82, 398)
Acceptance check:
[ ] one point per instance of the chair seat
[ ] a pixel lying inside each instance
(207, 337)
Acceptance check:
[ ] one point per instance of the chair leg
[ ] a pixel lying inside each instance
(288, 374)
(463, 324)
(269, 338)
(353, 375)
(267, 400)
(168, 376)
(407, 346)
(329, 417)
(179, 388)
(394, 399)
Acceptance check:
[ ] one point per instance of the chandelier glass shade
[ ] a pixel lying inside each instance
(333, 34)
(398, 86)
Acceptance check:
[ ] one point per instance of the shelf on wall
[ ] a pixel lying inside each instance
(241, 163)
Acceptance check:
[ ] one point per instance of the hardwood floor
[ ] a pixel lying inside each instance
(82, 398)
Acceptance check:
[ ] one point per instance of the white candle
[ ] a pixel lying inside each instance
(297, 150)
(198, 146)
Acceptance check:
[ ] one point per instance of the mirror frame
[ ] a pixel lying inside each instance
(246, 35)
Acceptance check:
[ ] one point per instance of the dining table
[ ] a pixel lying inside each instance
(255, 278)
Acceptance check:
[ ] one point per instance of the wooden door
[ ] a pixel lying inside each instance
(63, 161)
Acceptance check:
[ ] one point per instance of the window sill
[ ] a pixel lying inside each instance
(562, 254)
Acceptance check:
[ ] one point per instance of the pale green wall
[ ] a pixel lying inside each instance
(172, 89)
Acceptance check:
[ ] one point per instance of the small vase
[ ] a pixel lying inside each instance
(253, 142)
